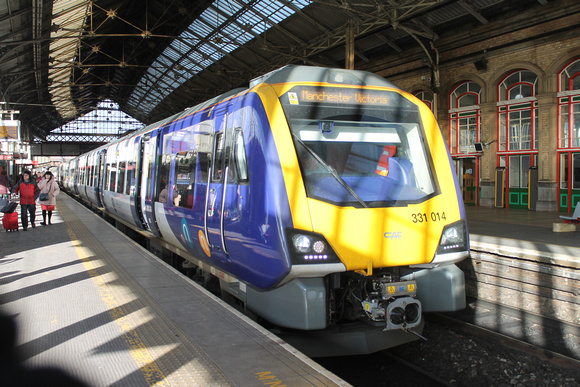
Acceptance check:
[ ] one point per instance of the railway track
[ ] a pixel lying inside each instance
(518, 327)
(380, 369)
(458, 352)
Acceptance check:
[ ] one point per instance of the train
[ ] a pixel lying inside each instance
(321, 201)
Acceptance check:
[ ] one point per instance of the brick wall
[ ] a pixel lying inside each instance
(544, 48)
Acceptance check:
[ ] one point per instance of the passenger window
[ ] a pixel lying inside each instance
(184, 178)
(113, 178)
(203, 143)
(162, 189)
(217, 162)
(130, 189)
(240, 159)
(106, 174)
(121, 176)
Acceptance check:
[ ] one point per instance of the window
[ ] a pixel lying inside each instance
(518, 112)
(113, 177)
(121, 176)
(359, 155)
(426, 97)
(218, 157)
(570, 77)
(518, 171)
(520, 130)
(465, 95)
(518, 85)
(184, 178)
(464, 118)
(163, 189)
(569, 106)
(241, 163)
(106, 175)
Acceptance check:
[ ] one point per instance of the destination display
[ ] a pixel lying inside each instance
(330, 95)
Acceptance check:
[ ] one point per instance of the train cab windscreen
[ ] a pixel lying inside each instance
(358, 147)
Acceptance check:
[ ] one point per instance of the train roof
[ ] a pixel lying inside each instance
(294, 73)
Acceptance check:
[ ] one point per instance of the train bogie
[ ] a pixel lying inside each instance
(326, 198)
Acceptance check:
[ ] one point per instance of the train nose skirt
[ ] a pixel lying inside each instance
(90, 301)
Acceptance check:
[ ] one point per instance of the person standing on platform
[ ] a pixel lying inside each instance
(48, 186)
(4, 183)
(28, 194)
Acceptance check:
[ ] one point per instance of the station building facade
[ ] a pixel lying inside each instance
(508, 105)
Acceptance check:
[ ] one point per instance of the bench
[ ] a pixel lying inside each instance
(575, 218)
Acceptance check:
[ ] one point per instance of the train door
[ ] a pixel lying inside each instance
(132, 182)
(101, 177)
(150, 145)
(569, 181)
(216, 189)
(76, 176)
(136, 176)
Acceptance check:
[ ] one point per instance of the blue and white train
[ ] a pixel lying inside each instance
(322, 200)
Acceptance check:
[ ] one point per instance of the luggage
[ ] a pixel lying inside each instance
(10, 221)
(9, 208)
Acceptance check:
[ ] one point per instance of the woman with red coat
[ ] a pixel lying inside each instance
(28, 194)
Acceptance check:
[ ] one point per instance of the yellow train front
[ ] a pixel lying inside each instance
(378, 220)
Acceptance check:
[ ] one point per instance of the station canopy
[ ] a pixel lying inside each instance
(60, 59)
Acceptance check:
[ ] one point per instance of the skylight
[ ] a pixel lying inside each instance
(222, 28)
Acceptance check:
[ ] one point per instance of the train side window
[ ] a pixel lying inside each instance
(121, 176)
(203, 142)
(217, 162)
(94, 170)
(130, 176)
(130, 188)
(106, 174)
(89, 172)
(113, 179)
(239, 157)
(184, 178)
(164, 179)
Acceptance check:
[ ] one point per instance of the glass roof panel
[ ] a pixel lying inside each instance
(220, 29)
(106, 119)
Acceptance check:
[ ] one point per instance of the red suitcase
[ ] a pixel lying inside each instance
(10, 221)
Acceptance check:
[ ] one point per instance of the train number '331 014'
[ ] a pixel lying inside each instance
(421, 217)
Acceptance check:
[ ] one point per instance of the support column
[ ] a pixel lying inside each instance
(547, 133)
(349, 58)
(488, 160)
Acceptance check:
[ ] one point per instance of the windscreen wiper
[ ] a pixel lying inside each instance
(332, 171)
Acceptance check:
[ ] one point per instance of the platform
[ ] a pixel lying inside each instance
(94, 303)
(522, 232)
(530, 226)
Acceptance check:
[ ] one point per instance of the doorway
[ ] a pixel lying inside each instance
(569, 181)
(468, 176)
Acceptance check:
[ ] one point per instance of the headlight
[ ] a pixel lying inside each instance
(454, 238)
(301, 243)
(308, 247)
